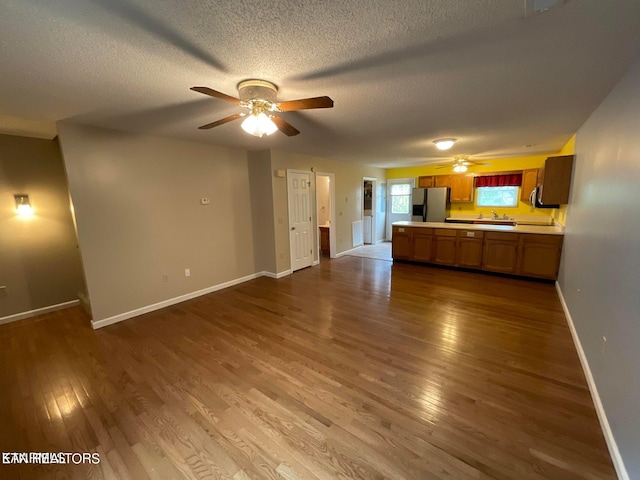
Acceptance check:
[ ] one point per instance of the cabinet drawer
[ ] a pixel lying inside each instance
(445, 232)
(401, 229)
(422, 231)
(528, 238)
(502, 236)
(470, 234)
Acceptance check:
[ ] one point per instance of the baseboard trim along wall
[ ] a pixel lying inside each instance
(618, 463)
(188, 296)
(347, 252)
(38, 311)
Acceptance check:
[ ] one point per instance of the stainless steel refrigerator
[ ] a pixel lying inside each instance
(429, 204)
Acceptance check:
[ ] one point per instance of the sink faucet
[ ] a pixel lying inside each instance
(494, 214)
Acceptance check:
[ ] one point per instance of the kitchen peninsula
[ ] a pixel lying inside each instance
(524, 250)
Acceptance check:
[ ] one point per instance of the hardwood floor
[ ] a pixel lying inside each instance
(357, 368)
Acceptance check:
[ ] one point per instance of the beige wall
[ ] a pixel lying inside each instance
(349, 200)
(139, 217)
(39, 259)
(324, 203)
(262, 210)
(600, 270)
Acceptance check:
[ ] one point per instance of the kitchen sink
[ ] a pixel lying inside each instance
(482, 221)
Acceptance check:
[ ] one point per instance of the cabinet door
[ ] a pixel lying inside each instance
(461, 188)
(442, 180)
(540, 255)
(425, 182)
(422, 242)
(500, 252)
(444, 246)
(529, 182)
(469, 251)
(555, 180)
(401, 243)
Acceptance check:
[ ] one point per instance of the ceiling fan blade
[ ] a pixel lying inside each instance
(443, 166)
(285, 127)
(305, 104)
(214, 93)
(228, 119)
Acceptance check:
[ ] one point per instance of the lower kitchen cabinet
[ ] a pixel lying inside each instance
(444, 246)
(540, 256)
(527, 254)
(422, 243)
(469, 249)
(500, 252)
(401, 243)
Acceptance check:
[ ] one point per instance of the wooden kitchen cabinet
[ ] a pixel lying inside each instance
(444, 246)
(442, 180)
(324, 241)
(554, 180)
(422, 244)
(529, 182)
(539, 255)
(469, 248)
(401, 243)
(461, 188)
(425, 182)
(500, 253)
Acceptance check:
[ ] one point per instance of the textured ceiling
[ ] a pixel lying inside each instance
(401, 73)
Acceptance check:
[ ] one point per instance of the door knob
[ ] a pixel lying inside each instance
(293, 228)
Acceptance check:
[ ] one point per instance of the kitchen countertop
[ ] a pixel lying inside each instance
(544, 229)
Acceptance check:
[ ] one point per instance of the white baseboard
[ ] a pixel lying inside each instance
(612, 445)
(275, 275)
(347, 252)
(188, 296)
(37, 311)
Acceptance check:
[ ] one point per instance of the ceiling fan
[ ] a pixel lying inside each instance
(259, 97)
(460, 164)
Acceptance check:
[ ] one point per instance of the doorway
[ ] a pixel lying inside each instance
(398, 201)
(325, 204)
(369, 202)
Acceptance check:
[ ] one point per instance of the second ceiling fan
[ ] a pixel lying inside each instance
(460, 164)
(259, 97)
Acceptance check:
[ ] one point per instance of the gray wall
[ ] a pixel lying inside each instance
(139, 217)
(600, 272)
(39, 259)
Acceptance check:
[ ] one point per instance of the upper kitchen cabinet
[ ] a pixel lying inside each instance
(529, 182)
(554, 180)
(461, 188)
(442, 180)
(425, 181)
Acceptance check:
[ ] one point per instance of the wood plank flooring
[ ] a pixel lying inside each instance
(356, 368)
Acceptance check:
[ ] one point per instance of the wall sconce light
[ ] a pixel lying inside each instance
(23, 206)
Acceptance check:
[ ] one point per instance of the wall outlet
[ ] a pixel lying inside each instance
(187, 272)
(205, 201)
(3, 291)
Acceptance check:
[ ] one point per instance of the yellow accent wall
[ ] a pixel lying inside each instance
(497, 165)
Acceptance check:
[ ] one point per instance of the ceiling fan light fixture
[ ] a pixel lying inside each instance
(259, 125)
(445, 143)
(459, 168)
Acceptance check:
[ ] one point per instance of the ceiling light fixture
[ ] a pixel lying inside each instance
(460, 168)
(23, 206)
(445, 143)
(259, 124)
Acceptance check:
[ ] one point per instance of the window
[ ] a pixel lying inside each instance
(497, 196)
(400, 198)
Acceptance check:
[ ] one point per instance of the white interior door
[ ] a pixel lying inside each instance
(300, 237)
(398, 201)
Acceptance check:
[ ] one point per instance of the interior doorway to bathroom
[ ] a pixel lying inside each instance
(325, 202)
